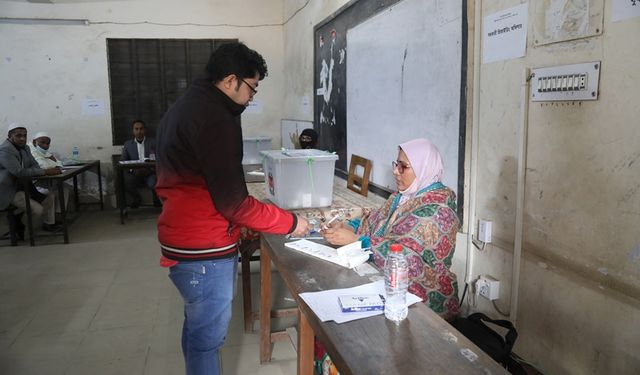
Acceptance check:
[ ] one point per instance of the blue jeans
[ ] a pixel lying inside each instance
(207, 289)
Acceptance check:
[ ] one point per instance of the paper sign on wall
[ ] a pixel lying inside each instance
(625, 9)
(504, 34)
(93, 107)
(254, 107)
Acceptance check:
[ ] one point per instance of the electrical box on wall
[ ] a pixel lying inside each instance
(566, 82)
(484, 231)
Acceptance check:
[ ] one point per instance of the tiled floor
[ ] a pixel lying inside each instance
(102, 305)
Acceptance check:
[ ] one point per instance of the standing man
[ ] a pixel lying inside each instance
(201, 182)
(139, 148)
(17, 163)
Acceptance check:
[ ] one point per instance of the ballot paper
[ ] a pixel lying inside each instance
(326, 304)
(349, 256)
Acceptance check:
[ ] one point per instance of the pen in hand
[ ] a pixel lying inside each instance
(326, 225)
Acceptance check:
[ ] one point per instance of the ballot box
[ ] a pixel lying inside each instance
(252, 146)
(299, 178)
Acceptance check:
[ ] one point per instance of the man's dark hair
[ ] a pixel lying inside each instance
(235, 58)
(138, 121)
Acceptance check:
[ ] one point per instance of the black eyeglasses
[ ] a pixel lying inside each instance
(251, 87)
(400, 166)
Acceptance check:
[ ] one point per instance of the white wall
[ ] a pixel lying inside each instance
(579, 295)
(49, 70)
(579, 301)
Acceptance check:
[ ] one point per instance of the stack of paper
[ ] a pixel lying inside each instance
(326, 305)
(349, 256)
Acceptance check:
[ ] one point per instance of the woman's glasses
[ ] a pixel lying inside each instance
(400, 166)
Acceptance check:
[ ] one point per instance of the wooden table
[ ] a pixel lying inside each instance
(421, 344)
(67, 173)
(250, 177)
(345, 201)
(121, 195)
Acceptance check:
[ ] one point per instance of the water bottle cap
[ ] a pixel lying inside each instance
(396, 248)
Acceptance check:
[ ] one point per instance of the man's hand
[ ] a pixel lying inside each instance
(52, 171)
(53, 158)
(302, 228)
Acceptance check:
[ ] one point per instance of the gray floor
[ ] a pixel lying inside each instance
(103, 305)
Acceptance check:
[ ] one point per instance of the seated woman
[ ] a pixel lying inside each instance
(421, 216)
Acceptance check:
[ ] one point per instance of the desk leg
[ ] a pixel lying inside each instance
(100, 187)
(265, 304)
(247, 306)
(121, 193)
(27, 202)
(63, 208)
(305, 345)
(75, 193)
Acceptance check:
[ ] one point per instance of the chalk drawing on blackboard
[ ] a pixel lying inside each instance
(327, 112)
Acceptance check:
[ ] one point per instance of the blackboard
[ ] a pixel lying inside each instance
(337, 122)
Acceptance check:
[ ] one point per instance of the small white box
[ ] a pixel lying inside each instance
(484, 231)
(252, 147)
(299, 178)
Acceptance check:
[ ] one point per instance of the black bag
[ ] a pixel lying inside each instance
(490, 341)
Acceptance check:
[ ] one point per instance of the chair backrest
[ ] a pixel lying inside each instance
(355, 182)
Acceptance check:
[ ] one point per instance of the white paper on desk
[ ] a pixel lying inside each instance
(348, 256)
(326, 306)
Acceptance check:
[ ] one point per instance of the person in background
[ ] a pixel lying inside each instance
(16, 163)
(420, 216)
(45, 159)
(308, 139)
(139, 148)
(205, 199)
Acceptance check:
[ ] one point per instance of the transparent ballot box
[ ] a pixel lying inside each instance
(252, 147)
(299, 178)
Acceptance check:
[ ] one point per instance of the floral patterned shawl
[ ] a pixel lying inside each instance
(426, 226)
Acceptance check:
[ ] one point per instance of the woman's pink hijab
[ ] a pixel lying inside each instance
(426, 163)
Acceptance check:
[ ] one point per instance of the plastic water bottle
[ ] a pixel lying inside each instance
(75, 153)
(396, 277)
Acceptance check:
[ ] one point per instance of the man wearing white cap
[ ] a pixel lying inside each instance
(16, 162)
(40, 151)
(45, 159)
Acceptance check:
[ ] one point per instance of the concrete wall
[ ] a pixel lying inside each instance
(579, 309)
(579, 300)
(47, 71)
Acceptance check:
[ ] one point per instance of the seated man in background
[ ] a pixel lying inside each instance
(42, 155)
(139, 148)
(308, 139)
(17, 163)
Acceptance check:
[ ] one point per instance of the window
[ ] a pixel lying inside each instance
(147, 75)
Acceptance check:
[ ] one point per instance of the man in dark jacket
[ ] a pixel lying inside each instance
(205, 198)
(140, 147)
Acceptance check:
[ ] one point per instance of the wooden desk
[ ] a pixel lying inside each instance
(251, 177)
(67, 173)
(421, 344)
(352, 205)
(121, 195)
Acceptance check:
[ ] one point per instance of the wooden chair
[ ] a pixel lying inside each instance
(355, 182)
